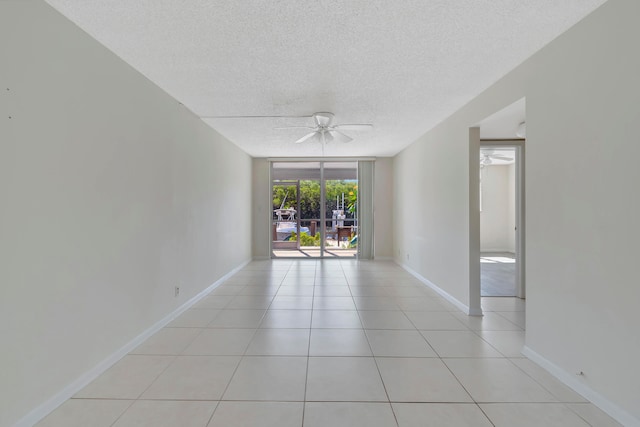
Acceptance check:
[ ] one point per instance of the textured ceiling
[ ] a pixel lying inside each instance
(403, 66)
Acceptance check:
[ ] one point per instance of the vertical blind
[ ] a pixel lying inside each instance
(365, 209)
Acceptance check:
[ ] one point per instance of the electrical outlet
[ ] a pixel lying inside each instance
(177, 291)
(408, 257)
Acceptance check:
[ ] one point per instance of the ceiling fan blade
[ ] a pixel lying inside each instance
(308, 136)
(354, 126)
(255, 117)
(339, 136)
(294, 127)
(323, 119)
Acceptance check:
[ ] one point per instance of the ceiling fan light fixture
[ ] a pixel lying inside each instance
(323, 120)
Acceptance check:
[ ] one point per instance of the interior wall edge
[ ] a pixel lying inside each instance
(463, 307)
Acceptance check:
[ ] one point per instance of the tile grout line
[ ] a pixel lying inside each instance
(123, 412)
(384, 386)
(239, 360)
(306, 375)
(466, 391)
(213, 413)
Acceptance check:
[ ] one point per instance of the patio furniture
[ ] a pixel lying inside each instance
(289, 213)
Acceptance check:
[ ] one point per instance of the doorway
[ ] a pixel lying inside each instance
(498, 221)
(501, 238)
(503, 130)
(315, 209)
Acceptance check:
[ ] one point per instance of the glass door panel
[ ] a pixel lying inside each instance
(285, 224)
(296, 218)
(311, 230)
(341, 209)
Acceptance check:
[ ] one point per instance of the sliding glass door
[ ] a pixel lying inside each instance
(315, 208)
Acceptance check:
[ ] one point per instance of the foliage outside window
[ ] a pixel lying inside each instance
(310, 198)
(305, 239)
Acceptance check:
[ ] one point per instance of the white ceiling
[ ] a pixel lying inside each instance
(402, 65)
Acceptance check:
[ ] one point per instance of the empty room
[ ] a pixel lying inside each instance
(319, 213)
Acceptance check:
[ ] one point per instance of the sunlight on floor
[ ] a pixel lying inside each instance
(497, 259)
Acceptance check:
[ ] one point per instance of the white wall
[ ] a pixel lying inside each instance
(582, 173)
(111, 194)
(497, 218)
(431, 208)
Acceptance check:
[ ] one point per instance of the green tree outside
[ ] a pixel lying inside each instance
(310, 198)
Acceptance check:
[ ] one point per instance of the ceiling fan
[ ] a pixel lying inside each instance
(324, 131)
(488, 156)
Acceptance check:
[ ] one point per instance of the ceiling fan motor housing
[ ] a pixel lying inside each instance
(323, 120)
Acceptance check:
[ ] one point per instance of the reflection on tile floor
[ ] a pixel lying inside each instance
(330, 343)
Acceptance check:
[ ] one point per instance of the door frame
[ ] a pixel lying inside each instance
(323, 219)
(474, 198)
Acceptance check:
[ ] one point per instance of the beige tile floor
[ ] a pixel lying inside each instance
(330, 343)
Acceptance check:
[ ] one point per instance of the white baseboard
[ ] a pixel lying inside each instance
(463, 307)
(63, 395)
(614, 411)
(261, 258)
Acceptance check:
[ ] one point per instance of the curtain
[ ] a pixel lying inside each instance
(365, 209)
